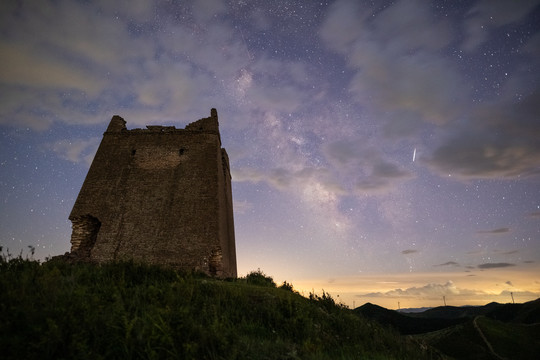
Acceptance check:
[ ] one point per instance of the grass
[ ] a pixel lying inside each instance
(510, 340)
(459, 342)
(55, 310)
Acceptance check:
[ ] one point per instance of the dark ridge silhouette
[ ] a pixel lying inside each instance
(405, 324)
(455, 312)
(492, 331)
(445, 316)
(526, 313)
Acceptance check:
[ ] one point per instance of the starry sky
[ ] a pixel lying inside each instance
(381, 151)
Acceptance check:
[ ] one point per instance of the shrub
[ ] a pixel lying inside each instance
(286, 286)
(260, 278)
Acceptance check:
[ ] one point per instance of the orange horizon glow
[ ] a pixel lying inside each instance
(415, 290)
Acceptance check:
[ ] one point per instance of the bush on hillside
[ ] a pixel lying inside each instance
(286, 286)
(260, 278)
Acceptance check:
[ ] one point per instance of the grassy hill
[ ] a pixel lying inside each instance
(57, 310)
(493, 331)
(508, 340)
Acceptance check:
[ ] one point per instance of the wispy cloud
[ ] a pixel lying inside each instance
(241, 207)
(508, 252)
(495, 265)
(489, 148)
(80, 151)
(398, 66)
(315, 187)
(379, 49)
(102, 65)
(433, 290)
(374, 173)
(494, 231)
(448, 263)
(409, 251)
(486, 13)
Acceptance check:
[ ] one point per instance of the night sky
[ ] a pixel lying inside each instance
(384, 151)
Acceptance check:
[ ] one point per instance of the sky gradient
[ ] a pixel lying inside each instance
(384, 151)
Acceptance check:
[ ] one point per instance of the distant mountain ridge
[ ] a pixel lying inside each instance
(413, 310)
(526, 313)
(492, 331)
(405, 324)
(441, 317)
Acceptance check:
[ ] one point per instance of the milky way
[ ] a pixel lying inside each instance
(379, 150)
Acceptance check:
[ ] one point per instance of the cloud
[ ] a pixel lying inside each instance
(409, 251)
(509, 252)
(535, 214)
(495, 265)
(284, 179)
(448, 263)
(374, 174)
(80, 63)
(80, 151)
(493, 13)
(313, 185)
(435, 292)
(317, 194)
(242, 207)
(19, 67)
(396, 62)
(498, 140)
(287, 169)
(398, 69)
(401, 25)
(205, 10)
(432, 290)
(494, 231)
(509, 294)
(383, 178)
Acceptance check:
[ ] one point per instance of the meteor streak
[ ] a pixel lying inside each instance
(414, 155)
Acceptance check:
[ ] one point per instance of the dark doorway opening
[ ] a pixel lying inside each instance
(85, 230)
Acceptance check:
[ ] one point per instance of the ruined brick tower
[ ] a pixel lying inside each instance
(159, 195)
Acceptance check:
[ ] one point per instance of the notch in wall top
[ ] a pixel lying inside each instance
(117, 124)
(207, 124)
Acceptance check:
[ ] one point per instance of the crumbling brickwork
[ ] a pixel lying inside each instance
(159, 195)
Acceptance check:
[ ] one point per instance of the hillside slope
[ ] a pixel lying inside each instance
(57, 310)
(493, 331)
(405, 324)
(504, 340)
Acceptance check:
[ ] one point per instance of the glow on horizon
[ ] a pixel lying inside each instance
(417, 290)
